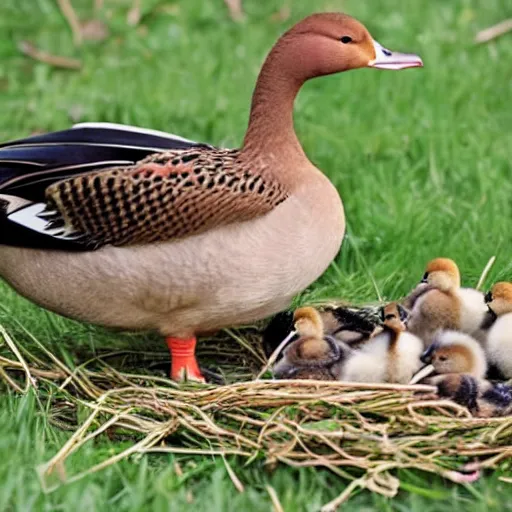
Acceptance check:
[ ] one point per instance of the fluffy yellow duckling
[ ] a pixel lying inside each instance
(391, 356)
(440, 303)
(499, 325)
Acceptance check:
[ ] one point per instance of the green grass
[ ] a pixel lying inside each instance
(421, 159)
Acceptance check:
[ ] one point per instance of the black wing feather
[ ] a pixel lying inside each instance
(28, 166)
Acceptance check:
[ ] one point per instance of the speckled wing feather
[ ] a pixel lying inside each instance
(165, 196)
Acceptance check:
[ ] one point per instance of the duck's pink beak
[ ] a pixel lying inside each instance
(386, 59)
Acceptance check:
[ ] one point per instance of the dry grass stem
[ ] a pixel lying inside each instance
(69, 13)
(485, 271)
(493, 32)
(56, 61)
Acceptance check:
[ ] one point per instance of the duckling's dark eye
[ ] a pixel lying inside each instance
(443, 358)
(390, 316)
(346, 39)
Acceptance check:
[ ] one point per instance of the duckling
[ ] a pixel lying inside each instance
(455, 352)
(456, 365)
(440, 303)
(348, 324)
(499, 325)
(313, 355)
(391, 356)
(483, 398)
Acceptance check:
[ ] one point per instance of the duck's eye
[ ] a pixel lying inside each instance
(390, 317)
(443, 358)
(346, 39)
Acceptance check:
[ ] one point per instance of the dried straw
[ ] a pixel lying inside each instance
(363, 433)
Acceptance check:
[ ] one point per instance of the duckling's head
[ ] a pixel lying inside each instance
(327, 43)
(310, 358)
(499, 299)
(443, 274)
(455, 352)
(393, 316)
(308, 323)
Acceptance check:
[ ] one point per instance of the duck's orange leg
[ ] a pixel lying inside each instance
(183, 359)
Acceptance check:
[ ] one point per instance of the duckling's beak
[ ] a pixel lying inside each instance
(426, 357)
(386, 59)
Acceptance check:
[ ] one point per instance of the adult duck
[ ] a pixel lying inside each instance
(136, 229)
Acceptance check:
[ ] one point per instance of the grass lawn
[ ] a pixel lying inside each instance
(421, 159)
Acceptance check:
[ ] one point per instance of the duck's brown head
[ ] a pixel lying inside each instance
(499, 299)
(393, 316)
(443, 274)
(334, 42)
(456, 352)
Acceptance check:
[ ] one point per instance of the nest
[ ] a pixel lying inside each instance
(363, 433)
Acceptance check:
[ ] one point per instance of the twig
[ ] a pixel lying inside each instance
(235, 9)
(69, 13)
(57, 61)
(345, 495)
(276, 353)
(493, 32)
(485, 271)
(30, 381)
(236, 481)
(134, 14)
(274, 499)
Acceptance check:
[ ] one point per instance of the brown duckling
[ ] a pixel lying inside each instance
(455, 352)
(391, 356)
(456, 364)
(313, 355)
(440, 303)
(498, 324)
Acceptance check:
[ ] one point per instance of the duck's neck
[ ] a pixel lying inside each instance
(271, 130)
(394, 334)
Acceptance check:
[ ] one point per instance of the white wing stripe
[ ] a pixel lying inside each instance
(29, 218)
(135, 129)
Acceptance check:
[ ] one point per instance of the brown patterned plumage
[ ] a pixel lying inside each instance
(164, 196)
